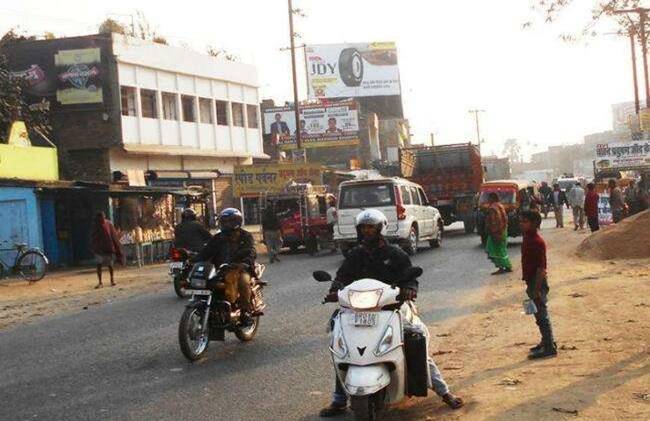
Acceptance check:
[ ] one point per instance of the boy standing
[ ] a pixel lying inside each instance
(533, 266)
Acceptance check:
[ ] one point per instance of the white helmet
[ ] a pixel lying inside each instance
(372, 217)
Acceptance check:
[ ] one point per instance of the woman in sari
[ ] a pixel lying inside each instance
(497, 241)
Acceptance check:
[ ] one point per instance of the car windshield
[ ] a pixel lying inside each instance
(366, 196)
(506, 196)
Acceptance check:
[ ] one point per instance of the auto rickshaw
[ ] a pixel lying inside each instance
(514, 195)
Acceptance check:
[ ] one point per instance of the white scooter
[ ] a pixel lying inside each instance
(376, 359)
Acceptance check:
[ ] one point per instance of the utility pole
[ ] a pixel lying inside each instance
(643, 14)
(292, 36)
(433, 143)
(478, 130)
(634, 75)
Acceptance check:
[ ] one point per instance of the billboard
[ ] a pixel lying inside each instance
(253, 179)
(320, 125)
(623, 115)
(352, 70)
(78, 76)
(624, 155)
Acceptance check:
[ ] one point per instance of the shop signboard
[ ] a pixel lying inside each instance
(321, 125)
(272, 178)
(352, 70)
(78, 76)
(623, 155)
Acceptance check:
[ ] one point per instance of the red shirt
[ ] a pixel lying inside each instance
(533, 255)
(591, 204)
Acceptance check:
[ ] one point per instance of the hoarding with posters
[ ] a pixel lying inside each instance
(254, 179)
(623, 155)
(321, 125)
(352, 70)
(78, 76)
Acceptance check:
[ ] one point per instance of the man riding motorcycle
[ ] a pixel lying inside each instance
(190, 234)
(375, 258)
(234, 245)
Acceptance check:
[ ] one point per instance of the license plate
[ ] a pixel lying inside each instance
(365, 319)
(175, 265)
(201, 292)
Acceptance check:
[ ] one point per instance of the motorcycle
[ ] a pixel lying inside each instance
(377, 360)
(209, 314)
(179, 269)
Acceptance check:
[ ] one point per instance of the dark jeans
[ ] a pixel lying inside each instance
(617, 215)
(542, 317)
(593, 223)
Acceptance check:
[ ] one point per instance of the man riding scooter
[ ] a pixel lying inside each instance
(234, 245)
(375, 258)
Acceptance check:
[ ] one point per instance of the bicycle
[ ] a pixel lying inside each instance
(30, 263)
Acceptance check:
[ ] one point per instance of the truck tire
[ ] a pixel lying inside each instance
(351, 67)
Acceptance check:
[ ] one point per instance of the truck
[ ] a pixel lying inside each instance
(451, 176)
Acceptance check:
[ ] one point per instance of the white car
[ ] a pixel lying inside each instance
(411, 218)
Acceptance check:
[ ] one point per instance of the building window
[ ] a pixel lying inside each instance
(169, 106)
(128, 101)
(189, 113)
(251, 112)
(205, 110)
(148, 103)
(222, 112)
(237, 114)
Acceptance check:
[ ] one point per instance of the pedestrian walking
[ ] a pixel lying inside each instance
(272, 232)
(331, 217)
(591, 207)
(576, 199)
(633, 198)
(105, 245)
(497, 240)
(616, 201)
(558, 201)
(533, 266)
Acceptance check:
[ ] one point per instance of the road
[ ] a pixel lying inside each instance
(122, 361)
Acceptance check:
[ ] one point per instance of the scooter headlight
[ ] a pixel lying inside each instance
(386, 342)
(364, 300)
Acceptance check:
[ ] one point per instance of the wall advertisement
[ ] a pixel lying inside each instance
(623, 155)
(78, 76)
(352, 70)
(320, 125)
(254, 179)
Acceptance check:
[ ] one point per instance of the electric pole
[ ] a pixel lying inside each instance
(292, 36)
(478, 130)
(635, 78)
(643, 14)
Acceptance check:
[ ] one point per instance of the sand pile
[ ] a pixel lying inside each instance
(629, 239)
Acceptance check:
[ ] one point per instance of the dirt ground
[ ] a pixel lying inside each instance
(601, 316)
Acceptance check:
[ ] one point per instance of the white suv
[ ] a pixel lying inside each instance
(410, 217)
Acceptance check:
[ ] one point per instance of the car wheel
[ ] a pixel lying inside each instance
(412, 241)
(437, 241)
(351, 67)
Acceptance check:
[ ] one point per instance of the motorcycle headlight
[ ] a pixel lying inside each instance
(386, 342)
(363, 300)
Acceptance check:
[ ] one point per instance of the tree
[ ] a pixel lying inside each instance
(140, 28)
(112, 26)
(221, 53)
(512, 150)
(13, 36)
(13, 105)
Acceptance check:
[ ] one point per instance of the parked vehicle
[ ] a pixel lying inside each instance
(513, 195)
(208, 314)
(566, 183)
(30, 263)
(451, 176)
(376, 359)
(179, 269)
(411, 218)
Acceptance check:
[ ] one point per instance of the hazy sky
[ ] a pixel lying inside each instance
(454, 55)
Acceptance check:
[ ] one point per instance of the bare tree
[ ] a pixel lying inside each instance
(141, 28)
(512, 150)
(221, 53)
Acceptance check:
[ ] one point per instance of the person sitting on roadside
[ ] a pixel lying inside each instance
(190, 234)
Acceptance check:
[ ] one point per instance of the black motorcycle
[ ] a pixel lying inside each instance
(179, 269)
(208, 314)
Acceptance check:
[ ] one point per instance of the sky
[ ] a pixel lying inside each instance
(454, 55)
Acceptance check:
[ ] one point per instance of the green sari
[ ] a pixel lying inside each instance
(497, 251)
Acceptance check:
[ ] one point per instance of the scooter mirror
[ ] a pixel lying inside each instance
(322, 276)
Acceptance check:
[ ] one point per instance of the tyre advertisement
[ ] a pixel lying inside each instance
(320, 125)
(352, 70)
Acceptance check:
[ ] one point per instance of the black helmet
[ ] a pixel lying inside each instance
(230, 219)
(188, 214)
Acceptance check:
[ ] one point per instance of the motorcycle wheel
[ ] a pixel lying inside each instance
(178, 287)
(367, 408)
(191, 338)
(247, 334)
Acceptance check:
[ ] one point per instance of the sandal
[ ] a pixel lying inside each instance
(99, 286)
(452, 401)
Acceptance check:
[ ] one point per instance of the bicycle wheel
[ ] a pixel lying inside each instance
(31, 266)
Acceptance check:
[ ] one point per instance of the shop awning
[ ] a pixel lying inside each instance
(185, 151)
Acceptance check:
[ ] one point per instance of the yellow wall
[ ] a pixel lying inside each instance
(28, 163)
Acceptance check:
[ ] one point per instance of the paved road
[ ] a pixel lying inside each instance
(122, 361)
